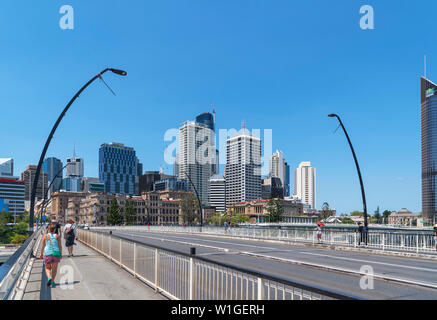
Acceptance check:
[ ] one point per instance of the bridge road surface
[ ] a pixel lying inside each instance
(93, 277)
(324, 268)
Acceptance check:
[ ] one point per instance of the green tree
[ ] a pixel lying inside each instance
(114, 216)
(189, 208)
(385, 215)
(129, 212)
(6, 217)
(21, 228)
(18, 238)
(377, 216)
(24, 217)
(357, 213)
(347, 220)
(275, 210)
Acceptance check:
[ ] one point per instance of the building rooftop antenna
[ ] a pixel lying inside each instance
(425, 66)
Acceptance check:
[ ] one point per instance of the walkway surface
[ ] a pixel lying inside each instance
(87, 276)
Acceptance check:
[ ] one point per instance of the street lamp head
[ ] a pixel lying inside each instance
(119, 72)
(332, 115)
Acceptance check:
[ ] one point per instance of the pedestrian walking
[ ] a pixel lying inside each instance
(70, 234)
(435, 236)
(57, 227)
(51, 252)
(319, 233)
(361, 233)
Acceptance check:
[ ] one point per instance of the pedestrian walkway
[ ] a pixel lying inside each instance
(87, 276)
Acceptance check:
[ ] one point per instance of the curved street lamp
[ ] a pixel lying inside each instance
(359, 174)
(49, 139)
(198, 199)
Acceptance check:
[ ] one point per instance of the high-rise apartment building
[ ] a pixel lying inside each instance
(118, 169)
(243, 167)
(280, 169)
(197, 154)
(12, 196)
(428, 96)
(28, 177)
(53, 167)
(305, 183)
(217, 194)
(6, 168)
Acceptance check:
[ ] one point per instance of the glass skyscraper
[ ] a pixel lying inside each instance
(428, 96)
(52, 166)
(118, 169)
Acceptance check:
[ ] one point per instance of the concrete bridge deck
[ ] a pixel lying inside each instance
(86, 276)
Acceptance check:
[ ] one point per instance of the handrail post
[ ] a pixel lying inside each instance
(156, 270)
(260, 289)
(192, 280)
(135, 259)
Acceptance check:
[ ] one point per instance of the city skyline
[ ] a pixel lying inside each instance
(343, 73)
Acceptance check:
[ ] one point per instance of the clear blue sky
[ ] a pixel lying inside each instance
(281, 65)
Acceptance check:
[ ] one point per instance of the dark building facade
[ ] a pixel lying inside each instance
(272, 188)
(118, 169)
(207, 119)
(428, 97)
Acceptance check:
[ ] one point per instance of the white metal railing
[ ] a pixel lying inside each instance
(414, 242)
(14, 275)
(188, 277)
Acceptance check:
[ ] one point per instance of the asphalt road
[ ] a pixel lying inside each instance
(395, 277)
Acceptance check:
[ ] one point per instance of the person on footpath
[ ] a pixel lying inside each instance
(51, 252)
(70, 234)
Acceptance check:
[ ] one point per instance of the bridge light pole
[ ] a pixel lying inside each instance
(359, 175)
(49, 139)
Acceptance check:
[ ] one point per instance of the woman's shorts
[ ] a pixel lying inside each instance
(51, 259)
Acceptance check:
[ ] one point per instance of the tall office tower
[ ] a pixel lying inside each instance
(287, 181)
(6, 168)
(176, 166)
(217, 192)
(53, 167)
(75, 167)
(280, 169)
(428, 95)
(197, 154)
(28, 176)
(305, 183)
(118, 169)
(206, 119)
(243, 167)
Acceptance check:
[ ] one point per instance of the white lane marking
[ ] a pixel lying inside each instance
(375, 262)
(380, 276)
(323, 255)
(326, 267)
(216, 241)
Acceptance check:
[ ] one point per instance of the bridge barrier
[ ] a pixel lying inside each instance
(183, 276)
(415, 242)
(15, 272)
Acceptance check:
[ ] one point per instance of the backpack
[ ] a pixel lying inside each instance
(69, 232)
